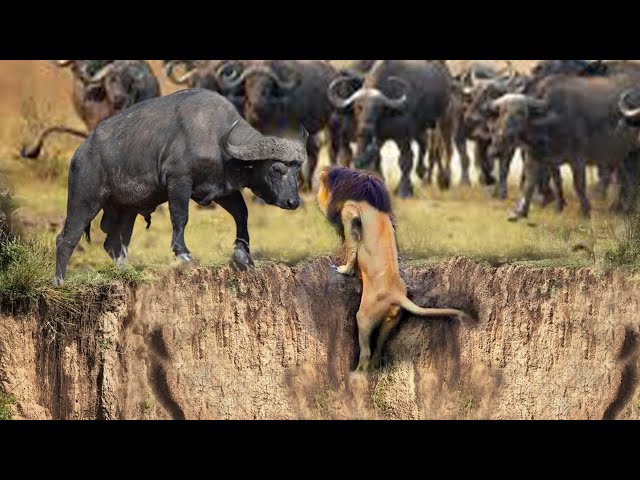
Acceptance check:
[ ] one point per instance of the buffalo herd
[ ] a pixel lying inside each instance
(580, 113)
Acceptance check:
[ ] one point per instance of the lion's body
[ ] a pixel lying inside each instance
(365, 224)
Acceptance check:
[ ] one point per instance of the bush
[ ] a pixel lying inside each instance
(627, 253)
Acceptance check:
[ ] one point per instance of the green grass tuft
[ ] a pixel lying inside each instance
(6, 400)
(627, 252)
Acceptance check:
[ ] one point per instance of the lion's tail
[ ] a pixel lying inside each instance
(408, 305)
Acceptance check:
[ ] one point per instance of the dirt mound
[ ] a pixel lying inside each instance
(280, 343)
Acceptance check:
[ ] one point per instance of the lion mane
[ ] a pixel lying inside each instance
(346, 184)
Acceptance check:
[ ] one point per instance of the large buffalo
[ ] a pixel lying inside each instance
(192, 144)
(102, 93)
(281, 94)
(572, 118)
(399, 100)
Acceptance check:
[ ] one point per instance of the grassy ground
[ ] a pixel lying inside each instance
(464, 221)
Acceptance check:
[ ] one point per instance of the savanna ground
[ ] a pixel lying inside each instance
(465, 221)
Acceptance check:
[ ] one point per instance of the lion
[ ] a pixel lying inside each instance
(358, 205)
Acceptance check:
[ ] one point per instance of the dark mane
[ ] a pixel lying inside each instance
(347, 184)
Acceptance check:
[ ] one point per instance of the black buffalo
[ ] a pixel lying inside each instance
(99, 93)
(192, 144)
(399, 100)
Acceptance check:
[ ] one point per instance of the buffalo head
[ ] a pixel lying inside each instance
(370, 102)
(274, 162)
(514, 112)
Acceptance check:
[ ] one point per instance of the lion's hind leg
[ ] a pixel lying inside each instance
(369, 317)
(387, 326)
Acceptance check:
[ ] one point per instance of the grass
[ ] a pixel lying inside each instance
(6, 401)
(627, 252)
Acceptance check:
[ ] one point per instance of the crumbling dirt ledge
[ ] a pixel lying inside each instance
(280, 343)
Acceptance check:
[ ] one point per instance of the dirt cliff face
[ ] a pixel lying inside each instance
(280, 344)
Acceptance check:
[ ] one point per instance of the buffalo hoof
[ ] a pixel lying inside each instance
(560, 206)
(500, 193)
(421, 171)
(241, 260)
(121, 262)
(405, 191)
(444, 181)
(487, 180)
(57, 282)
(516, 215)
(185, 257)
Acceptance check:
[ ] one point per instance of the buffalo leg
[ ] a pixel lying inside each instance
(444, 174)
(80, 213)
(579, 171)
(335, 131)
(544, 184)
(421, 168)
(556, 177)
(531, 172)
(484, 163)
(405, 189)
(312, 158)
(110, 224)
(433, 155)
(179, 195)
(235, 205)
(119, 229)
(604, 180)
(505, 164)
(461, 146)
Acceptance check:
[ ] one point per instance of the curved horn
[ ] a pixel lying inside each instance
(631, 113)
(402, 99)
(258, 70)
(227, 79)
(101, 74)
(479, 82)
(169, 70)
(258, 147)
(371, 93)
(334, 98)
(509, 98)
(62, 63)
